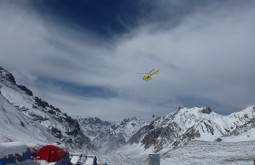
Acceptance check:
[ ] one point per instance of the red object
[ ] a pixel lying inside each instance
(51, 153)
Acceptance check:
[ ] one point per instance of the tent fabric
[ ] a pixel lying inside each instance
(12, 148)
(51, 153)
(13, 152)
(63, 162)
(75, 159)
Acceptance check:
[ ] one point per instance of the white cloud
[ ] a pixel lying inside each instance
(208, 55)
(212, 54)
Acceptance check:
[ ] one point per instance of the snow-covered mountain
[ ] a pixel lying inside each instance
(17, 127)
(106, 136)
(188, 124)
(92, 126)
(27, 118)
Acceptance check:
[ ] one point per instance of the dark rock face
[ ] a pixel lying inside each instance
(36, 117)
(7, 76)
(59, 124)
(218, 140)
(56, 132)
(138, 136)
(192, 134)
(40, 102)
(10, 78)
(209, 128)
(93, 121)
(206, 110)
(151, 137)
(25, 89)
(157, 137)
(52, 112)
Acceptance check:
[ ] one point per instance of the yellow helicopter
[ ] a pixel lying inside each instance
(148, 75)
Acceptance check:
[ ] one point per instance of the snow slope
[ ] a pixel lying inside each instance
(92, 126)
(112, 136)
(187, 124)
(13, 147)
(194, 153)
(15, 126)
(27, 118)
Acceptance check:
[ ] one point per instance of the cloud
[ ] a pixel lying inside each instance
(211, 54)
(204, 56)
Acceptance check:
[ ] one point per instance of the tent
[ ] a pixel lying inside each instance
(51, 153)
(90, 159)
(75, 158)
(63, 162)
(13, 152)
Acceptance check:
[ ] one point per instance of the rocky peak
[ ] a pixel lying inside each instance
(206, 110)
(187, 124)
(106, 136)
(92, 121)
(129, 122)
(7, 76)
(37, 110)
(8, 79)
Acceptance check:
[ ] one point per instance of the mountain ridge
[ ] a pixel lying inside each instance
(37, 119)
(19, 100)
(108, 136)
(188, 124)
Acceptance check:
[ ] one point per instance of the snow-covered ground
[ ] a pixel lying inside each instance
(246, 136)
(213, 153)
(30, 162)
(195, 153)
(15, 126)
(23, 120)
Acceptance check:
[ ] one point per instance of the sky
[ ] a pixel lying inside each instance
(84, 56)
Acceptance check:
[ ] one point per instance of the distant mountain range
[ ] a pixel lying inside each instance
(187, 124)
(173, 130)
(106, 136)
(25, 117)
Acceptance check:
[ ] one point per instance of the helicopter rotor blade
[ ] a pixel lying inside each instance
(148, 72)
(151, 71)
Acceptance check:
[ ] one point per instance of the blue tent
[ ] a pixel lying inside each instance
(13, 152)
(63, 162)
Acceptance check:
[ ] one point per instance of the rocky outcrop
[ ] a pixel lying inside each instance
(187, 124)
(59, 124)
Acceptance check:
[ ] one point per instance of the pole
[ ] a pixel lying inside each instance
(154, 159)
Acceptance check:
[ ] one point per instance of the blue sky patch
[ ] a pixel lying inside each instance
(76, 89)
